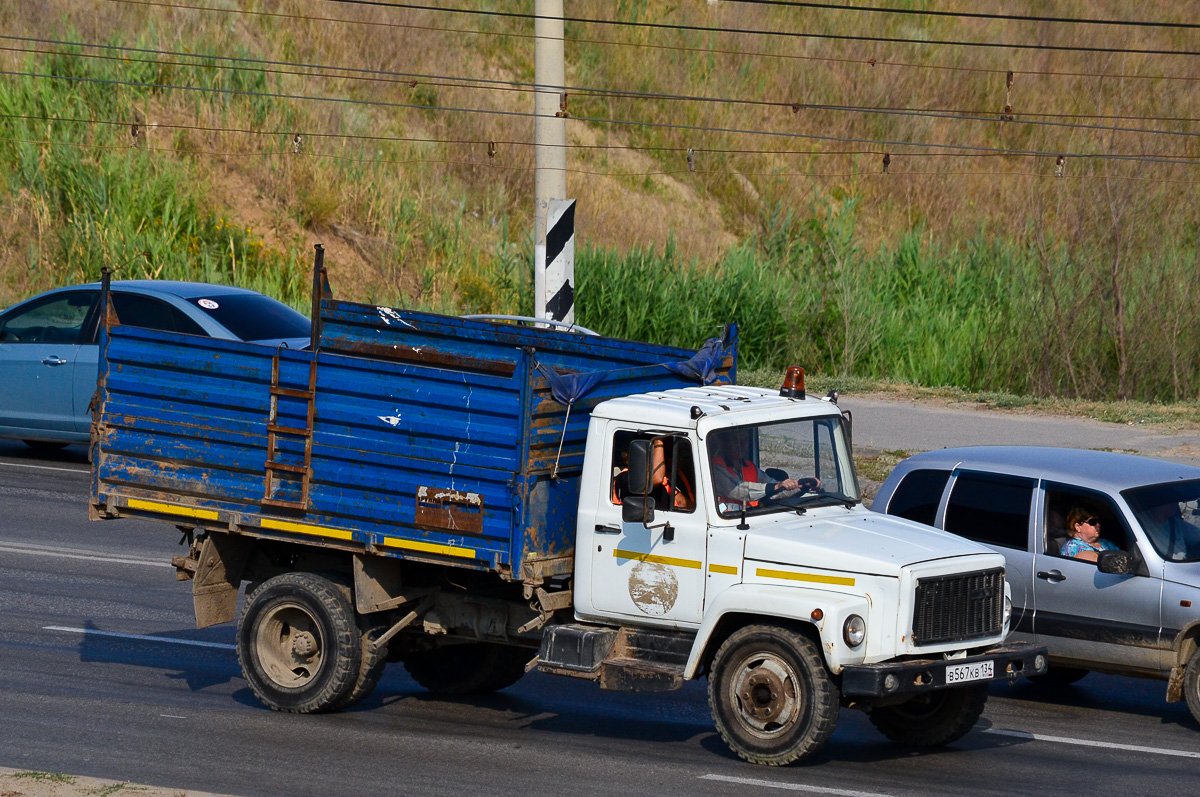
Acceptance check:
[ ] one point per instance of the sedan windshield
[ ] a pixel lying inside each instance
(788, 465)
(1170, 516)
(254, 317)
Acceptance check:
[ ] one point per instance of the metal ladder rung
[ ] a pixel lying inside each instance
(284, 466)
(292, 430)
(291, 392)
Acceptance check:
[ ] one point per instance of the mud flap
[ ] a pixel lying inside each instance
(218, 574)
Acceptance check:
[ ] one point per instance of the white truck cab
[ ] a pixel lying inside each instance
(729, 519)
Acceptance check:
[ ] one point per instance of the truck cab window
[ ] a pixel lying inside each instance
(673, 476)
(993, 510)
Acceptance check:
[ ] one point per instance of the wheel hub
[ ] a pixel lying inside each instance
(304, 645)
(765, 694)
(288, 645)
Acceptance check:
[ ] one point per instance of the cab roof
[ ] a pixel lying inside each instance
(674, 408)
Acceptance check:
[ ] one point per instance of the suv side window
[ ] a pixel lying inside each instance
(1061, 499)
(991, 509)
(918, 494)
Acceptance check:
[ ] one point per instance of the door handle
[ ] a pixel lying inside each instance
(606, 529)
(1051, 575)
(54, 359)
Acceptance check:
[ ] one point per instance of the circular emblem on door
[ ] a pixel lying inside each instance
(653, 588)
(208, 304)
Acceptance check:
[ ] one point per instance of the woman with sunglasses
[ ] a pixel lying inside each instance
(1085, 542)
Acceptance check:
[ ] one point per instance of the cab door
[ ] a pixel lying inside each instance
(656, 573)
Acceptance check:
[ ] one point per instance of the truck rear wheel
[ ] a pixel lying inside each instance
(932, 719)
(771, 697)
(299, 646)
(371, 668)
(468, 669)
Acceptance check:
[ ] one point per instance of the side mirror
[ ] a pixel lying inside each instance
(637, 508)
(1117, 563)
(639, 468)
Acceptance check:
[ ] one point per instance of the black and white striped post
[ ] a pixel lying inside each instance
(556, 297)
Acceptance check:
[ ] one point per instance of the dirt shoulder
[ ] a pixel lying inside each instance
(26, 783)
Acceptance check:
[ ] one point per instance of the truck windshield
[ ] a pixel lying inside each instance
(1170, 516)
(781, 466)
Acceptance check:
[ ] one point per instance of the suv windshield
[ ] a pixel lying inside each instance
(786, 465)
(254, 317)
(1170, 516)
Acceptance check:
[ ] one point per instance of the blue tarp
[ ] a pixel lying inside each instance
(569, 388)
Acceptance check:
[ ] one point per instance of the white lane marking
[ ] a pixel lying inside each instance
(141, 637)
(770, 784)
(172, 716)
(69, 553)
(1133, 748)
(45, 467)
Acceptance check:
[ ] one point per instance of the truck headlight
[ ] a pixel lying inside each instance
(1007, 610)
(854, 630)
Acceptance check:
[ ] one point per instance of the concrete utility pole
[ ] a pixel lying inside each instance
(553, 288)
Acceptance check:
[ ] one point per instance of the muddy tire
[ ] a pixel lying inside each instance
(1056, 677)
(371, 668)
(1191, 685)
(298, 644)
(771, 698)
(932, 719)
(469, 669)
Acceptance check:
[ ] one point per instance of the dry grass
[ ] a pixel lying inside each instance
(642, 197)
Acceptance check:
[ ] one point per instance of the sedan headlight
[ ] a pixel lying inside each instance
(854, 630)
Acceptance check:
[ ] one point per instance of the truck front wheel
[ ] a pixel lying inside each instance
(299, 645)
(771, 697)
(468, 669)
(933, 719)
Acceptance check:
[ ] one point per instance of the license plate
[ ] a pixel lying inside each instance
(975, 671)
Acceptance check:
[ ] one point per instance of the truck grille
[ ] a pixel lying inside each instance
(959, 607)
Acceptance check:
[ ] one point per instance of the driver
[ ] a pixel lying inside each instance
(738, 479)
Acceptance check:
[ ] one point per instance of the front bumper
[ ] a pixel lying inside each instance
(915, 676)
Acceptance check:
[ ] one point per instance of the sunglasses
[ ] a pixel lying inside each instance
(1092, 521)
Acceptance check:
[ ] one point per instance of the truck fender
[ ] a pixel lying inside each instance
(765, 602)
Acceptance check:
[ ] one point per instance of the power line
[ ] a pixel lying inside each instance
(876, 173)
(741, 53)
(412, 79)
(972, 14)
(774, 33)
(891, 145)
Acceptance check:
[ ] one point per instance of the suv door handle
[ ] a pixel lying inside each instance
(603, 529)
(1052, 575)
(54, 359)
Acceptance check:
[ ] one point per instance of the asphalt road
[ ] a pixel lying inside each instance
(103, 674)
(887, 423)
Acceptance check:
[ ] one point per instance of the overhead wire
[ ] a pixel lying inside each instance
(867, 61)
(412, 79)
(971, 14)
(284, 152)
(642, 24)
(892, 144)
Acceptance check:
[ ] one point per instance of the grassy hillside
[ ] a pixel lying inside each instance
(368, 129)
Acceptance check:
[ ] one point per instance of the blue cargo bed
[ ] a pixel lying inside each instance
(405, 434)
